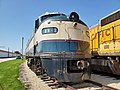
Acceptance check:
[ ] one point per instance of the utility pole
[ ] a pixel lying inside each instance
(22, 46)
(8, 51)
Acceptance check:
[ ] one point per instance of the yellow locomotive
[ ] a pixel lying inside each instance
(105, 44)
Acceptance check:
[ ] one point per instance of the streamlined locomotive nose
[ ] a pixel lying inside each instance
(61, 46)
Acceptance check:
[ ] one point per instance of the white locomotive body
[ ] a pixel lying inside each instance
(60, 47)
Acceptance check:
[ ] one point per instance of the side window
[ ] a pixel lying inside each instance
(49, 30)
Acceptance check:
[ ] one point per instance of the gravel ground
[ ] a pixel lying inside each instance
(29, 79)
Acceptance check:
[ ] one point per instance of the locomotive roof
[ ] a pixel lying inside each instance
(110, 14)
(5, 51)
(65, 18)
(51, 13)
(94, 26)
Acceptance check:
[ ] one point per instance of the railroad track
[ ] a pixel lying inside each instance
(112, 83)
(97, 82)
(55, 85)
(86, 85)
(103, 87)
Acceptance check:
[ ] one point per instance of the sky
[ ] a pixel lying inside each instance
(17, 16)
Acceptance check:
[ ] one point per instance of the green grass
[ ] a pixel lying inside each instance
(9, 73)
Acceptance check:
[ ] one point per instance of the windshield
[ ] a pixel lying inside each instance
(63, 46)
(54, 17)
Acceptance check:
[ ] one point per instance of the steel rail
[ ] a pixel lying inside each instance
(104, 87)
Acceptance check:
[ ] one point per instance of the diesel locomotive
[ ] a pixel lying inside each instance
(105, 44)
(60, 47)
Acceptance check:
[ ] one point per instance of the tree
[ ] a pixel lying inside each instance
(17, 52)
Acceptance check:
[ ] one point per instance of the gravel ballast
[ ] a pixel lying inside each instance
(30, 80)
